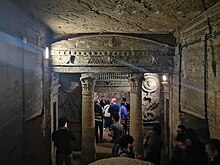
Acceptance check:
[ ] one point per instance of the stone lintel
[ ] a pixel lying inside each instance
(110, 69)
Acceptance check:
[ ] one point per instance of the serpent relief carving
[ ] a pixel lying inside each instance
(148, 113)
(150, 95)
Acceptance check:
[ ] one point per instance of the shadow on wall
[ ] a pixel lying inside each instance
(36, 149)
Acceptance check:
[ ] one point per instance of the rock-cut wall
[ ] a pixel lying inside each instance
(200, 75)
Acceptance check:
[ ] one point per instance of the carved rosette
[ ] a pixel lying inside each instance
(88, 82)
(136, 82)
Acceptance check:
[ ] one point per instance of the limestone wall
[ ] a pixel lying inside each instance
(21, 68)
(192, 38)
(11, 111)
(174, 108)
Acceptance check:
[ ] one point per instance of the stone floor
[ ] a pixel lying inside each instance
(104, 153)
(103, 150)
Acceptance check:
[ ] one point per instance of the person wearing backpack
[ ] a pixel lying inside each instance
(107, 115)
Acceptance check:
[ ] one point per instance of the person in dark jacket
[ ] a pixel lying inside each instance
(62, 140)
(212, 149)
(197, 148)
(188, 151)
(116, 132)
(98, 121)
(126, 146)
(152, 145)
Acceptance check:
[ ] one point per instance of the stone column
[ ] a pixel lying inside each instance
(136, 126)
(88, 120)
(166, 127)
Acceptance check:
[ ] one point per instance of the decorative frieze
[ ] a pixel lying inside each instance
(103, 53)
(78, 57)
(112, 76)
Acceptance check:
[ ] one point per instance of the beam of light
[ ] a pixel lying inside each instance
(175, 83)
(193, 88)
(134, 67)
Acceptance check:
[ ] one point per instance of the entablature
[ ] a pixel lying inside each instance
(110, 68)
(111, 54)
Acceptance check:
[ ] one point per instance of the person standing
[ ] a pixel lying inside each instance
(114, 107)
(107, 115)
(123, 116)
(62, 140)
(103, 101)
(152, 145)
(197, 148)
(127, 105)
(116, 131)
(187, 152)
(98, 121)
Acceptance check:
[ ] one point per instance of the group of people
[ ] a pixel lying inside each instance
(123, 143)
(105, 110)
(190, 150)
(116, 121)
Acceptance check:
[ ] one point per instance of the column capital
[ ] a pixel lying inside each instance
(88, 81)
(166, 87)
(136, 82)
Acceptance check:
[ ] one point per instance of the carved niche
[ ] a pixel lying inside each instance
(69, 100)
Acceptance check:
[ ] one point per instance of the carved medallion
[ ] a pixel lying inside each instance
(150, 84)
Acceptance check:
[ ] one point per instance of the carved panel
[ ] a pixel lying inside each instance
(150, 97)
(112, 80)
(70, 104)
(112, 76)
(69, 100)
(112, 51)
(111, 42)
(119, 57)
(112, 83)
